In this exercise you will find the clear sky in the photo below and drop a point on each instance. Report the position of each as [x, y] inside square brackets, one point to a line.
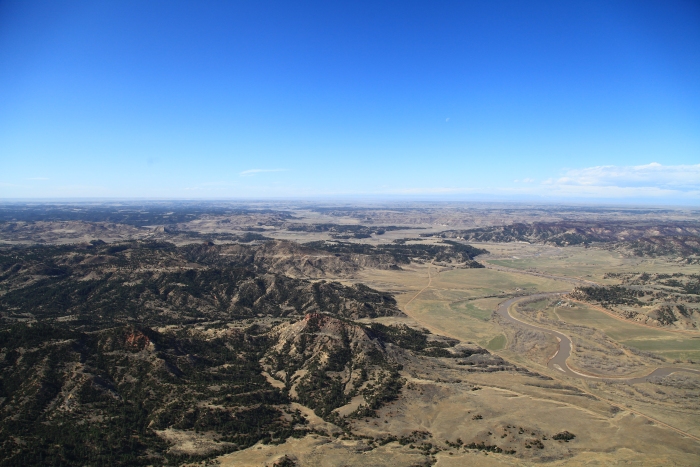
[522, 100]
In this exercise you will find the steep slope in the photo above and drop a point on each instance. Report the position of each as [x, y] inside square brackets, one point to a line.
[100, 398]
[324, 362]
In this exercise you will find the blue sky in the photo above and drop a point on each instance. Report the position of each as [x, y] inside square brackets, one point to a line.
[593, 100]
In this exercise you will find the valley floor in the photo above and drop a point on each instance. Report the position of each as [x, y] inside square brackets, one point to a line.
[651, 423]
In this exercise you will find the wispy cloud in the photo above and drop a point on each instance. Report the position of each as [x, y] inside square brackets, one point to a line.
[609, 181]
[251, 172]
[37, 178]
[649, 175]
[650, 181]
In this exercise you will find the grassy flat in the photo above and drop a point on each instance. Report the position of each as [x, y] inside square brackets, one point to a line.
[459, 302]
[487, 282]
[585, 263]
[497, 343]
[669, 344]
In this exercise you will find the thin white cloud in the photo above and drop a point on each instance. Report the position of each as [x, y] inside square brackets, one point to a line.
[650, 181]
[678, 177]
[634, 181]
[611, 191]
[251, 172]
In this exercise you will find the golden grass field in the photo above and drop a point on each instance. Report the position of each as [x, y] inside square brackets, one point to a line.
[672, 345]
[579, 262]
[459, 302]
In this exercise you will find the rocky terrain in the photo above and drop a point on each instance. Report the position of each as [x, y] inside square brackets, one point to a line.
[128, 345]
[163, 284]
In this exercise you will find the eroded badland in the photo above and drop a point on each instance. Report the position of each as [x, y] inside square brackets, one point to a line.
[336, 335]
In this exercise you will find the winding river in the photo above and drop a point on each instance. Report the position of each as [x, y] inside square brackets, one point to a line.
[558, 361]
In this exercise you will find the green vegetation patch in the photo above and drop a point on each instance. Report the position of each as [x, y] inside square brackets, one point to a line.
[660, 341]
[472, 310]
[497, 343]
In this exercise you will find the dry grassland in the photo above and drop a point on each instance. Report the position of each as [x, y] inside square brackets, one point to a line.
[459, 302]
[510, 410]
[515, 409]
[585, 263]
[593, 264]
[672, 345]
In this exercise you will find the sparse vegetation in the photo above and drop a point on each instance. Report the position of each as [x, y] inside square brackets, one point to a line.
[116, 381]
